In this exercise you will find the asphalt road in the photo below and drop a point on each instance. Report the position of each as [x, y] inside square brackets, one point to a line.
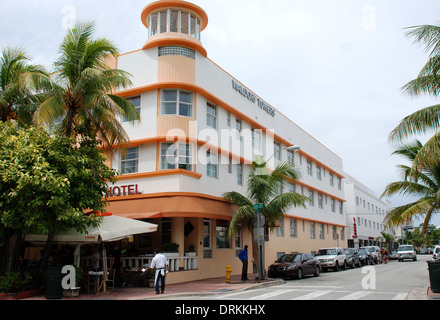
[392, 281]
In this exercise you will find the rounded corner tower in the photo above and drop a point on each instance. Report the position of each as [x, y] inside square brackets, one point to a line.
[174, 22]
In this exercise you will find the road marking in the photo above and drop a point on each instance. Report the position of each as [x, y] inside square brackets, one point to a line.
[401, 296]
[269, 295]
[313, 295]
[356, 295]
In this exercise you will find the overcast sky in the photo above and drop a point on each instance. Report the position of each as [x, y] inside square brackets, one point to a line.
[334, 67]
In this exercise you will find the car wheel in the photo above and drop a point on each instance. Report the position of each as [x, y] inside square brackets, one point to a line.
[336, 268]
[359, 264]
[344, 266]
[300, 274]
[316, 274]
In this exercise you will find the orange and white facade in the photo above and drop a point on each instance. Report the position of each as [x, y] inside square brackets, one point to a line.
[199, 132]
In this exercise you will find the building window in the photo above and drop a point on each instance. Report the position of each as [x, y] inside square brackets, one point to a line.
[333, 205]
[238, 241]
[177, 102]
[310, 167]
[280, 230]
[240, 174]
[312, 198]
[339, 183]
[238, 127]
[341, 207]
[320, 201]
[291, 157]
[221, 229]
[173, 20]
[130, 161]
[335, 233]
[212, 164]
[293, 233]
[342, 234]
[318, 173]
[176, 156]
[228, 119]
[312, 230]
[207, 245]
[292, 187]
[332, 180]
[177, 51]
[136, 102]
[321, 231]
[211, 115]
[277, 150]
[256, 140]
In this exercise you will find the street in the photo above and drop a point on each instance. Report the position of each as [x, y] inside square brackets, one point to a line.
[392, 281]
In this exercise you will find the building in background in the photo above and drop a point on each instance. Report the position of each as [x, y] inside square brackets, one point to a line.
[365, 215]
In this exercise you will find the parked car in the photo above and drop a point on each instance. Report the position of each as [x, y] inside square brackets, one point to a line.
[332, 258]
[365, 257]
[394, 255]
[436, 253]
[374, 251]
[406, 251]
[352, 257]
[294, 265]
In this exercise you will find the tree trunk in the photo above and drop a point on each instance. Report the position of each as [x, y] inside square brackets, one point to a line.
[45, 259]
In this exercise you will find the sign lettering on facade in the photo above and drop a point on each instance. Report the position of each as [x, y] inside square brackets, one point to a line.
[253, 98]
[121, 191]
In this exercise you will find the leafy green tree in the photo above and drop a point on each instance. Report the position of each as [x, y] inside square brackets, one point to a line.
[423, 183]
[18, 99]
[80, 89]
[262, 188]
[47, 182]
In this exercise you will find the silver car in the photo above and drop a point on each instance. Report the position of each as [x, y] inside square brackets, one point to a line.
[406, 251]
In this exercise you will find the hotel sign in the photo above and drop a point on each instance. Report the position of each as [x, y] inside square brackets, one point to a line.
[252, 97]
[122, 191]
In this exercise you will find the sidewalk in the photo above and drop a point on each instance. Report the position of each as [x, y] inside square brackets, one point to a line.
[195, 288]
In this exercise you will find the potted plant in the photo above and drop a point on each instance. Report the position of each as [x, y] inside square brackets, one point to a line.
[151, 277]
[191, 251]
[170, 249]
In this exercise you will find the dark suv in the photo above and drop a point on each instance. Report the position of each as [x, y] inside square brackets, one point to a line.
[352, 257]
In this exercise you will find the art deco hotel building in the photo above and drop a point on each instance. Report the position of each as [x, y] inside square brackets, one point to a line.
[199, 131]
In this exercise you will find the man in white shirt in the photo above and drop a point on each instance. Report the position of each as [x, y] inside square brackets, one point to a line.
[159, 262]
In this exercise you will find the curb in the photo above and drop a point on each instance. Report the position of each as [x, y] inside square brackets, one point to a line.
[211, 293]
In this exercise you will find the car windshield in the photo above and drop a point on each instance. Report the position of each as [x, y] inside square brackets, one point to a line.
[369, 249]
[325, 252]
[362, 251]
[405, 248]
[289, 258]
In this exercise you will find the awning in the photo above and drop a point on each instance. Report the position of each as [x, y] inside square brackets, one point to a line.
[112, 228]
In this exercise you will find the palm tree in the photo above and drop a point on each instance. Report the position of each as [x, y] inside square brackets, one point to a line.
[80, 89]
[18, 100]
[262, 188]
[422, 183]
[428, 82]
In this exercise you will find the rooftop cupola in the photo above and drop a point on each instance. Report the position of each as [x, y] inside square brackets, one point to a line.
[174, 22]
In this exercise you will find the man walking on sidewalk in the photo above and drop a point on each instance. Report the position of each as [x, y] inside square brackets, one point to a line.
[159, 262]
[243, 256]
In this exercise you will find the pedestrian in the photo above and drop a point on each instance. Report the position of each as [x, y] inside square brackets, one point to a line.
[160, 263]
[243, 256]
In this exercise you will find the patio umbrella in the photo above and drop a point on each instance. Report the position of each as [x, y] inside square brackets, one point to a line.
[112, 228]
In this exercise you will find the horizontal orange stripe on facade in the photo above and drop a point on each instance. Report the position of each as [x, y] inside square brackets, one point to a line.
[219, 102]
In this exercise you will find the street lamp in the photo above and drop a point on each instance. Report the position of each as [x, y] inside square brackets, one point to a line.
[260, 224]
